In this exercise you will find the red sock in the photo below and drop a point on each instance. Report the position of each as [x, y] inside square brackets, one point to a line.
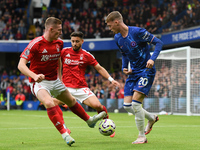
[60, 113]
[55, 118]
[79, 111]
[104, 109]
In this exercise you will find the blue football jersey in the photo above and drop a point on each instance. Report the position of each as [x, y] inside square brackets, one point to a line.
[135, 48]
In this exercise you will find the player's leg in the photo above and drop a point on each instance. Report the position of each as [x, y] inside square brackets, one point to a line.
[146, 82]
[77, 109]
[139, 116]
[150, 124]
[128, 94]
[92, 101]
[44, 97]
[57, 103]
[128, 104]
[128, 107]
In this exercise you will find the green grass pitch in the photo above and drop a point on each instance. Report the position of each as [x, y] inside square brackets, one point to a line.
[32, 130]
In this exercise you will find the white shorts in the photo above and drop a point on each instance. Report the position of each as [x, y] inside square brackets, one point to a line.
[81, 94]
[54, 87]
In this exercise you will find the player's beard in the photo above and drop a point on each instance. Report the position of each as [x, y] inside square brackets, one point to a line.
[76, 48]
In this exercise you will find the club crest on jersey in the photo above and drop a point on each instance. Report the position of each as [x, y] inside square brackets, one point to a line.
[133, 44]
[81, 57]
[57, 47]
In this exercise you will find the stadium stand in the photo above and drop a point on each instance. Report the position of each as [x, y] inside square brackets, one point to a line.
[89, 16]
[157, 16]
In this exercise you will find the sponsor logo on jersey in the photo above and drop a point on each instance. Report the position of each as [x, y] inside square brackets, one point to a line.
[50, 57]
[44, 51]
[72, 62]
[68, 55]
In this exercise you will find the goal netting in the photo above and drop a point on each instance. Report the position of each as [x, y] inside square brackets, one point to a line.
[176, 88]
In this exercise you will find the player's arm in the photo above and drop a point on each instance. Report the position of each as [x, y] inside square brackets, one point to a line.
[125, 68]
[125, 60]
[145, 36]
[158, 47]
[106, 75]
[27, 72]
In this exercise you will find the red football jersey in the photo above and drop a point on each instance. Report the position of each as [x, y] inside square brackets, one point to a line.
[74, 66]
[43, 56]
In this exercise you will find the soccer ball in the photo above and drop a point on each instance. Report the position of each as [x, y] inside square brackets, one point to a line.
[107, 127]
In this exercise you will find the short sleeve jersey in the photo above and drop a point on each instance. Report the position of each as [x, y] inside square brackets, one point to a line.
[43, 56]
[74, 66]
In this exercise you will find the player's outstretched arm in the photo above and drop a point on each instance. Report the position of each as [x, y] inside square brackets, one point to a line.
[106, 75]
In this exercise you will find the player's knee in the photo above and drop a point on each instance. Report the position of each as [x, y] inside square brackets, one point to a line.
[98, 107]
[48, 104]
[57, 102]
[137, 106]
[127, 107]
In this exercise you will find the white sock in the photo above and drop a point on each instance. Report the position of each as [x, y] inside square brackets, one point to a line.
[64, 135]
[139, 117]
[128, 107]
[148, 115]
[89, 120]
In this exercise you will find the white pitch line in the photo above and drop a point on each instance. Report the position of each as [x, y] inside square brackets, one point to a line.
[35, 116]
[42, 128]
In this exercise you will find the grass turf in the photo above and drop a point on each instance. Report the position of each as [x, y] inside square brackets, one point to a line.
[32, 130]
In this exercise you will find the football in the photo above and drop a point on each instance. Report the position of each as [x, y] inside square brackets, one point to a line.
[107, 127]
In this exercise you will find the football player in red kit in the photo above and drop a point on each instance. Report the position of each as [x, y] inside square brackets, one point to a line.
[74, 63]
[44, 55]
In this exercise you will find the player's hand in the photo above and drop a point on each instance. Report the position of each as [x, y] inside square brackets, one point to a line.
[39, 77]
[114, 82]
[127, 72]
[150, 63]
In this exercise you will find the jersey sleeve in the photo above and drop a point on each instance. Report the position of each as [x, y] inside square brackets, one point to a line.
[62, 53]
[124, 57]
[145, 36]
[91, 59]
[125, 62]
[28, 52]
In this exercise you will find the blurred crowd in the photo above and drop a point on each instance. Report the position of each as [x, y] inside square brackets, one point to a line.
[170, 82]
[88, 16]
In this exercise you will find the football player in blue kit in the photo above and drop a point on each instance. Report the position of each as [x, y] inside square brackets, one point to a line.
[133, 43]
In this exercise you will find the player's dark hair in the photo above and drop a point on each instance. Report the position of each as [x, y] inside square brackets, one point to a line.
[77, 34]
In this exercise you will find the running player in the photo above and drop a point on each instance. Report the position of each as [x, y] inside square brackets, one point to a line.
[133, 43]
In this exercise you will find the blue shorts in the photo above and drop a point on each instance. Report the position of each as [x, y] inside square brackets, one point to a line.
[140, 82]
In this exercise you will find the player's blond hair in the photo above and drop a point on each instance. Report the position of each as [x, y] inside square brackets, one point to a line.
[114, 15]
[52, 21]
